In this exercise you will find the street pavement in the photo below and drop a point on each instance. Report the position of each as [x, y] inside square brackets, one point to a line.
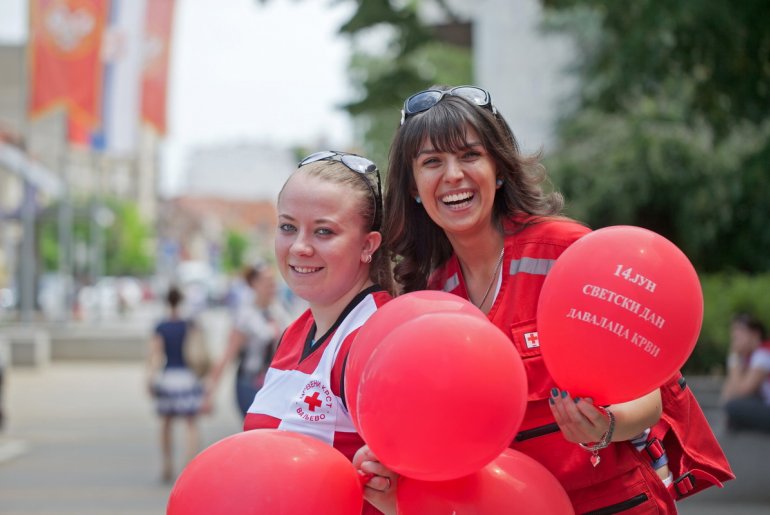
[82, 438]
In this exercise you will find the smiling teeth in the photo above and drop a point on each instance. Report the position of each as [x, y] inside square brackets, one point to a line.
[457, 197]
[305, 270]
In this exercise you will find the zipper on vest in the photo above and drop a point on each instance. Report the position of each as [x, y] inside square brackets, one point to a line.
[536, 431]
[621, 506]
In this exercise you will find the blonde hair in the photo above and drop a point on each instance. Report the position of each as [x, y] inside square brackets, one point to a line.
[363, 192]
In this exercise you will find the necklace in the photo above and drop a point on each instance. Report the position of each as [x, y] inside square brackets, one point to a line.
[494, 277]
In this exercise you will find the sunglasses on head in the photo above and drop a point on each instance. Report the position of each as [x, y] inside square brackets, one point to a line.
[357, 164]
[424, 100]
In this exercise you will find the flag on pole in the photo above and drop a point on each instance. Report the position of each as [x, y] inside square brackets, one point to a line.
[159, 18]
[122, 54]
[65, 40]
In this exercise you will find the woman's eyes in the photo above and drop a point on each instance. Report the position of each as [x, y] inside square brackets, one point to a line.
[430, 161]
[467, 155]
[320, 231]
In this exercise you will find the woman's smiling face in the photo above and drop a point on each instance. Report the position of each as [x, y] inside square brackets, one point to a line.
[321, 239]
[457, 188]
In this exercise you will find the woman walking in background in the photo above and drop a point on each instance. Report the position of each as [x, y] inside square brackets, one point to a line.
[257, 326]
[177, 391]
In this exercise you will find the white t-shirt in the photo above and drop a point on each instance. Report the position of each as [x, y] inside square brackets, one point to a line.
[760, 359]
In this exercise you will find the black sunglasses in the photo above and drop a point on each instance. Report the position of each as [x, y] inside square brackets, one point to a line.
[424, 100]
[357, 164]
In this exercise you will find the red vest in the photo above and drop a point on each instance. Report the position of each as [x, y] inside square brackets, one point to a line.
[625, 479]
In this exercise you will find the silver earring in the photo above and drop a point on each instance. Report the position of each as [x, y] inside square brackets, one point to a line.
[499, 182]
[417, 199]
[367, 258]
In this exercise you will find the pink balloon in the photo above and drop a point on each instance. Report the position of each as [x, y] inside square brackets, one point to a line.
[512, 483]
[267, 471]
[441, 396]
[619, 314]
[384, 320]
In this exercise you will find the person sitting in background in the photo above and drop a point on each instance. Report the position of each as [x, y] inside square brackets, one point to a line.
[746, 391]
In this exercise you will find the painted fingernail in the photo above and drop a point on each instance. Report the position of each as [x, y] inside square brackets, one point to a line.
[554, 392]
[577, 399]
[551, 401]
[564, 394]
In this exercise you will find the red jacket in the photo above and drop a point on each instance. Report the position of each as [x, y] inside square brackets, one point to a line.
[625, 479]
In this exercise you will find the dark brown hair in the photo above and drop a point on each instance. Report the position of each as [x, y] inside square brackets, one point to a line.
[751, 323]
[174, 297]
[417, 243]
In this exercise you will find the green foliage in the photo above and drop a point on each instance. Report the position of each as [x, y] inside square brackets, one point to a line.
[724, 295]
[723, 48]
[671, 128]
[128, 241]
[234, 252]
[412, 60]
[379, 113]
[649, 167]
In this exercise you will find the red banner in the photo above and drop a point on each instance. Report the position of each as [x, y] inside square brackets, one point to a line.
[65, 63]
[158, 22]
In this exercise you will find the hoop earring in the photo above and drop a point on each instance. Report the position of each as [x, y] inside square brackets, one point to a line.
[417, 199]
[367, 258]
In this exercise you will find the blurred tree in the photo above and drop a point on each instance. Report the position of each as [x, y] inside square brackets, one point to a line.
[234, 252]
[671, 129]
[721, 49]
[411, 59]
[128, 240]
[408, 57]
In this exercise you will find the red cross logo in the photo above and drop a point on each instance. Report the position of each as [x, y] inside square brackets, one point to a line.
[532, 340]
[312, 402]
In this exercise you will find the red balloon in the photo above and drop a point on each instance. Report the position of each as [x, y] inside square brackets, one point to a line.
[619, 314]
[267, 471]
[441, 396]
[512, 483]
[384, 320]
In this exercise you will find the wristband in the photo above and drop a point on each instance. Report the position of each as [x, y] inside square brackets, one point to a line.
[603, 442]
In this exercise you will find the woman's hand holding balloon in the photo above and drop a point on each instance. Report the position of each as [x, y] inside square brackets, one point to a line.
[579, 420]
[380, 489]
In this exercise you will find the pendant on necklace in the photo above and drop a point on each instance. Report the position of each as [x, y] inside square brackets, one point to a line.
[494, 277]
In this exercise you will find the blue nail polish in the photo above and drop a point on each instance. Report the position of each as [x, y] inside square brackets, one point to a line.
[554, 392]
[551, 401]
[564, 394]
[577, 399]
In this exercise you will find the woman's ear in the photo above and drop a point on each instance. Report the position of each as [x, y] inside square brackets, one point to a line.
[372, 242]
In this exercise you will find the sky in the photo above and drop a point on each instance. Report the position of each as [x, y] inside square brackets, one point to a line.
[244, 71]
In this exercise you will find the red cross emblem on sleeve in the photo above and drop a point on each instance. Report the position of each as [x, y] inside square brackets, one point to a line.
[532, 340]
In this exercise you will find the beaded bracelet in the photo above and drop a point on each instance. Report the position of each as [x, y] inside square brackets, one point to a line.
[603, 442]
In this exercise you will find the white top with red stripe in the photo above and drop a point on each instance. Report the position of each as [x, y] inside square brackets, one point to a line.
[301, 398]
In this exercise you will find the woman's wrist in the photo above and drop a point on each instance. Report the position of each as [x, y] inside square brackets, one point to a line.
[606, 438]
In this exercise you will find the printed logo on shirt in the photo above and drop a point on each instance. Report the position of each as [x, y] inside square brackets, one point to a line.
[532, 340]
[315, 402]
